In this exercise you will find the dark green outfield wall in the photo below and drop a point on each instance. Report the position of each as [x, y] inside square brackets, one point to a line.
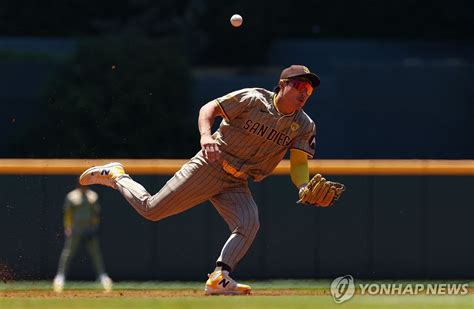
[384, 227]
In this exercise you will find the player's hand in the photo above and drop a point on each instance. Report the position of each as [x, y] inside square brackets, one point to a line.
[210, 149]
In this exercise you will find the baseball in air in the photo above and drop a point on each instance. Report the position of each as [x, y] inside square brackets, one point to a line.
[236, 20]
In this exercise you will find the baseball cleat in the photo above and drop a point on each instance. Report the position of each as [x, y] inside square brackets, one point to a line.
[58, 283]
[220, 283]
[106, 282]
[102, 175]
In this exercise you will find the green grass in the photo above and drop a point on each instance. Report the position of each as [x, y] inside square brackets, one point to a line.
[411, 302]
[161, 285]
[296, 301]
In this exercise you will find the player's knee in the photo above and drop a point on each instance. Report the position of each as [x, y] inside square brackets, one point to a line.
[256, 226]
[146, 211]
[153, 215]
[150, 216]
[251, 228]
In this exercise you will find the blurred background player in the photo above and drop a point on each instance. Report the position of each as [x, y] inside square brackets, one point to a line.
[81, 224]
[258, 128]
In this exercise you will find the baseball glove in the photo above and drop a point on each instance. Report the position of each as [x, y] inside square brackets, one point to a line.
[320, 192]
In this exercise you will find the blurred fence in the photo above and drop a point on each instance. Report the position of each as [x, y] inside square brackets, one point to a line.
[398, 219]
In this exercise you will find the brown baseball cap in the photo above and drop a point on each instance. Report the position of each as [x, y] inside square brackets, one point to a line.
[297, 70]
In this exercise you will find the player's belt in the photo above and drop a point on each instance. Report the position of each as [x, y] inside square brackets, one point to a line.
[233, 171]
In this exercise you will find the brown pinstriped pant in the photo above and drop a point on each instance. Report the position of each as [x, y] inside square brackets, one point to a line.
[196, 182]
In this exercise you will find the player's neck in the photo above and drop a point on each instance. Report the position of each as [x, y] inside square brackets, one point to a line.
[280, 106]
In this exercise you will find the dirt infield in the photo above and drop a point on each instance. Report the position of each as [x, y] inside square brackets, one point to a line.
[161, 293]
[146, 293]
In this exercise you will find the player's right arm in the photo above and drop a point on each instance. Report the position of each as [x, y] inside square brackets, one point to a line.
[207, 115]
[227, 107]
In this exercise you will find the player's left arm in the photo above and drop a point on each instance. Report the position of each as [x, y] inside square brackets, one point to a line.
[299, 168]
[302, 148]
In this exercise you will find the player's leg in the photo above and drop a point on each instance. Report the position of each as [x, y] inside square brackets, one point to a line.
[69, 250]
[93, 248]
[193, 184]
[240, 211]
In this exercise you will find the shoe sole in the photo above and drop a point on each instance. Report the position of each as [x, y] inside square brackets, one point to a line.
[225, 292]
[58, 288]
[110, 165]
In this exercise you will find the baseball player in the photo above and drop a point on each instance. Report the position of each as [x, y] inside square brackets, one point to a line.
[81, 223]
[258, 128]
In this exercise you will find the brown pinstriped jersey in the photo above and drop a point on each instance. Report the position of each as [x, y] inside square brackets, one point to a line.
[254, 137]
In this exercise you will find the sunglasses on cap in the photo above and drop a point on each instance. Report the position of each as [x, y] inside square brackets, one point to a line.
[300, 85]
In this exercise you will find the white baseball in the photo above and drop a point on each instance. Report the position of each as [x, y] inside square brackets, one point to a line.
[236, 20]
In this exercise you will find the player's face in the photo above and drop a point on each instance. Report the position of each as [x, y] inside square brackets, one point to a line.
[296, 92]
[301, 85]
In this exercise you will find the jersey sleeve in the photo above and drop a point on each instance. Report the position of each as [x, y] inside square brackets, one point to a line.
[306, 142]
[235, 103]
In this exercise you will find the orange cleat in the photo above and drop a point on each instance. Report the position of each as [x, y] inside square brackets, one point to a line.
[220, 283]
[102, 175]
